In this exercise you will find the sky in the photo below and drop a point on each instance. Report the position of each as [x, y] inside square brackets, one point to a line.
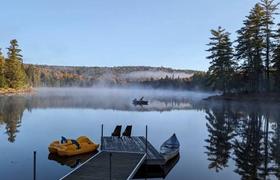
[170, 33]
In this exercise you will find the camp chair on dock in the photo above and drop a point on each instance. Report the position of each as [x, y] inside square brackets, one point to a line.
[76, 143]
[117, 131]
[127, 131]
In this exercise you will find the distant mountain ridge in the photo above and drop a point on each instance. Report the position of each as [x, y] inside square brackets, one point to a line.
[61, 76]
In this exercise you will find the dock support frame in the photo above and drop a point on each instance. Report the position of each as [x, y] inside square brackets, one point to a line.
[34, 165]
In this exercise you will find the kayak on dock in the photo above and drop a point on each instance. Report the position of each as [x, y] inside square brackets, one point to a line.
[71, 147]
[141, 101]
[170, 148]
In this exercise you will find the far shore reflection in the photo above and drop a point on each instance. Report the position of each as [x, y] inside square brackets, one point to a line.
[12, 107]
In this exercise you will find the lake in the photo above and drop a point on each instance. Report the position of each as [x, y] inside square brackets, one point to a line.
[219, 140]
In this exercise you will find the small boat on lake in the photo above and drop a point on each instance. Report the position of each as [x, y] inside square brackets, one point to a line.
[170, 148]
[71, 147]
[55, 145]
[141, 101]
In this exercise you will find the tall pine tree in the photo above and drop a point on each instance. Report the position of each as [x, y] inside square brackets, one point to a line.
[14, 70]
[250, 49]
[222, 63]
[276, 63]
[2, 75]
[269, 8]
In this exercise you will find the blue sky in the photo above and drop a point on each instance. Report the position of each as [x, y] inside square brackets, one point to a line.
[118, 32]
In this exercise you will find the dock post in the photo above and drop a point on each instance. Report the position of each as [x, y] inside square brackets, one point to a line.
[34, 165]
[146, 143]
[146, 149]
[101, 137]
[110, 167]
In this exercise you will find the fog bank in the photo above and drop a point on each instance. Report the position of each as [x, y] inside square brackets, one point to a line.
[120, 92]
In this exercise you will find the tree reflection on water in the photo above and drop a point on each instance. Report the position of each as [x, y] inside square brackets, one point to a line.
[221, 125]
[247, 132]
[11, 112]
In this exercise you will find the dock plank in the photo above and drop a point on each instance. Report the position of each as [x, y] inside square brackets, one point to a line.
[133, 144]
[122, 166]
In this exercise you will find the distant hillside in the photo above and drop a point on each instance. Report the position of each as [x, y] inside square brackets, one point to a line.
[121, 72]
[45, 75]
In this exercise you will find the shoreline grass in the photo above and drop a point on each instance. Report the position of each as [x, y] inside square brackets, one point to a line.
[12, 91]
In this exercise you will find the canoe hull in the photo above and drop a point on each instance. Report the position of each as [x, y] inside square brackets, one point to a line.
[170, 155]
[170, 148]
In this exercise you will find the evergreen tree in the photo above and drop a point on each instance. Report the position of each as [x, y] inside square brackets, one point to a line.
[276, 62]
[222, 65]
[250, 48]
[2, 75]
[14, 70]
[269, 8]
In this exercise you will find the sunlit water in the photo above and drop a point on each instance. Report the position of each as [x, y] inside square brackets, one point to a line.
[222, 140]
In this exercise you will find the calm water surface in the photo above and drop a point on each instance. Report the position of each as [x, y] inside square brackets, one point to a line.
[222, 140]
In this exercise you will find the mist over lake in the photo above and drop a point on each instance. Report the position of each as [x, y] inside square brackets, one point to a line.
[215, 137]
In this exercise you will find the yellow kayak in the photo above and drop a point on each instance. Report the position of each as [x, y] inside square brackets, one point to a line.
[73, 147]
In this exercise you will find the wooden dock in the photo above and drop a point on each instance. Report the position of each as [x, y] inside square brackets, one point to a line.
[108, 165]
[135, 144]
[119, 159]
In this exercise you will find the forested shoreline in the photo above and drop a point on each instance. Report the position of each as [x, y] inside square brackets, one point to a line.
[13, 77]
[78, 76]
[251, 63]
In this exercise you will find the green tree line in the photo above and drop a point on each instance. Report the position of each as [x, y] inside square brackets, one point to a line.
[251, 63]
[12, 72]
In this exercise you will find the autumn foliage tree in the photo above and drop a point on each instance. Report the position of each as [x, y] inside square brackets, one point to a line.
[2, 75]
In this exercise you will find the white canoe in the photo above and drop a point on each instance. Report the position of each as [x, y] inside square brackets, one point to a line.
[170, 148]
